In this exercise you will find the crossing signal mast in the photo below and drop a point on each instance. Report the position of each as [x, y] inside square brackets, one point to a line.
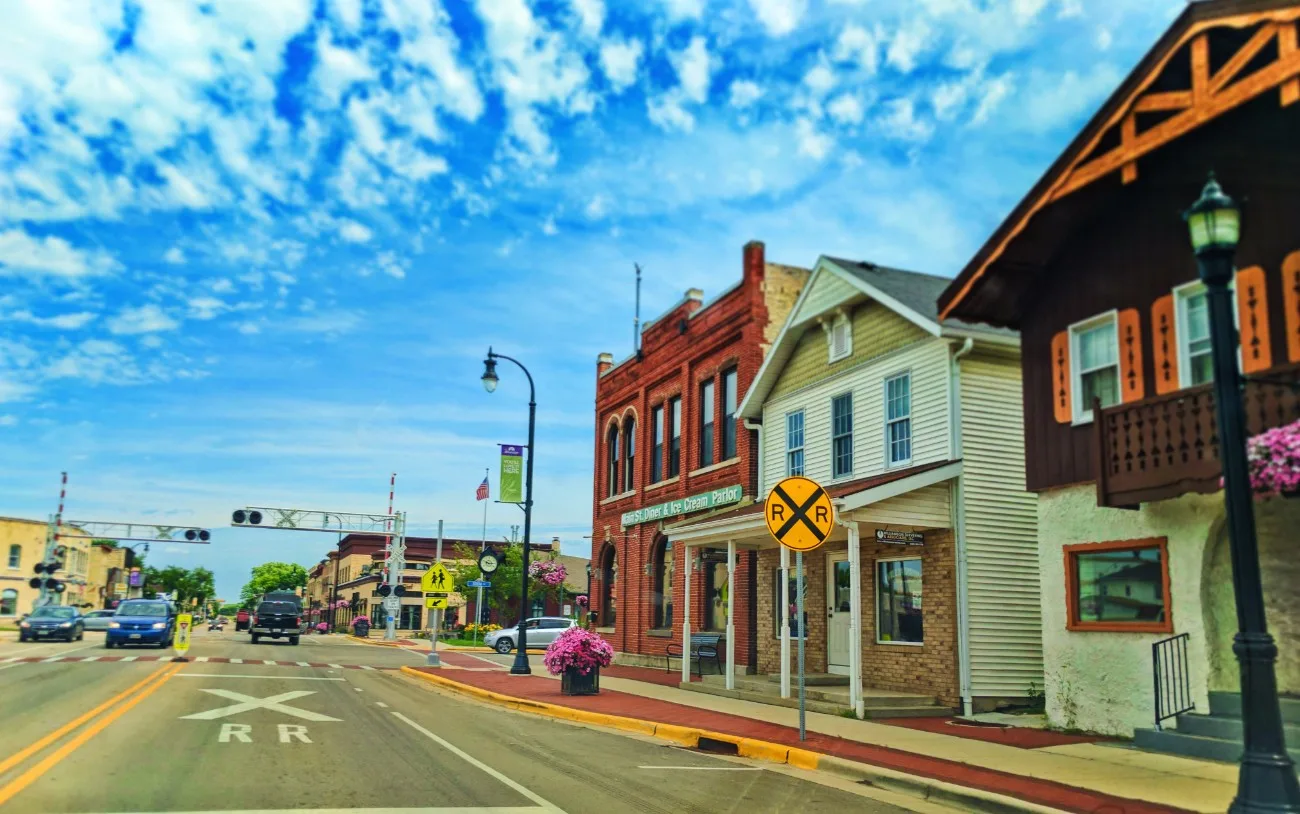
[391, 525]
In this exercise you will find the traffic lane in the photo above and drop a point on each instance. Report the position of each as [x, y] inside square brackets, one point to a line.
[317, 649]
[230, 737]
[581, 769]
[37, 699]
[10, 648]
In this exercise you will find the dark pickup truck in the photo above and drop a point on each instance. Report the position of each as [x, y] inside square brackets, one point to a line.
[276, 619]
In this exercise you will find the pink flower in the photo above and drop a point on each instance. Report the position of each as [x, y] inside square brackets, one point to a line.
[550, 573]
[1274, 460]
[578, 649]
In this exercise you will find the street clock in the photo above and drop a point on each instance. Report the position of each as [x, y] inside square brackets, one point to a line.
[488, 562]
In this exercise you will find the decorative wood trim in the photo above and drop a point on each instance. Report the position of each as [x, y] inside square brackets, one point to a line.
[1128, 134]
[1283, 73]
[1061, 380]
[1072, 587]
[1291, 300]
[1252, 310]
[1243, 56]
[1131, 384]
[1200, 57]
[1164, 344]
[1168, 100]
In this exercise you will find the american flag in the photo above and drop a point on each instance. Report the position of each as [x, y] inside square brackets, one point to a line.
[482, 492]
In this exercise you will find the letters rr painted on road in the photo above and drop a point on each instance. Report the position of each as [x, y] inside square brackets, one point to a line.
[799, 513]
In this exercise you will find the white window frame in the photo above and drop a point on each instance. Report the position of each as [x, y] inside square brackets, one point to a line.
[839, 321]
[803, 438]
[875, 576]
[911, 436]
[1181, 294]
[853, 451]
[1082, 414]
[9, 555]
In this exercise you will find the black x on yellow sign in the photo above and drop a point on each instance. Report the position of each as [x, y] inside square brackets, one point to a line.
[799, 514]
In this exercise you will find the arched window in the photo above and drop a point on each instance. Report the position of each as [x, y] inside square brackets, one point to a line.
[608, 587]
[629, 453]
[611, 450]
[9, 602]
[663, 593]
[15, 556]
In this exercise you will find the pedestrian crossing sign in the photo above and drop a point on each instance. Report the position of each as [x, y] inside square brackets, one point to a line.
[437, 579]
[435, 602]
[184, 626]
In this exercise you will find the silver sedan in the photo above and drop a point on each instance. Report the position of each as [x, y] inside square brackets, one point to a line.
[98, 620]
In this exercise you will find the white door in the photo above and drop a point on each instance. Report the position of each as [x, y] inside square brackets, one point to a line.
[837, 613]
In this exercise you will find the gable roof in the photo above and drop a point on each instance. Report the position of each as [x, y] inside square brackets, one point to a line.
[1172, 83]
[910, 294]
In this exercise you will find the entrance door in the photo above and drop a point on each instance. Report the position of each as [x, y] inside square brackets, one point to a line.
[837, 613]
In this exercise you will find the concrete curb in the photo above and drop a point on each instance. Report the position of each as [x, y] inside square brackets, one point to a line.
[880, 777]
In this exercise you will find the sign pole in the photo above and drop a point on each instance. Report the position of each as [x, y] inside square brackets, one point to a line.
[437, 625]
[803, 735]
[478, 603]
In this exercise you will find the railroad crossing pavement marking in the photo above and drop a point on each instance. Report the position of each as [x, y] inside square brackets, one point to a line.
[248, 702]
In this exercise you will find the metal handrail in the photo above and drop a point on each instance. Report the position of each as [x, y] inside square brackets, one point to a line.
[1171, 678]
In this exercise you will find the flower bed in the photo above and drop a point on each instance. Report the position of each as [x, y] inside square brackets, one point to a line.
[579, 650]
[1274, 460]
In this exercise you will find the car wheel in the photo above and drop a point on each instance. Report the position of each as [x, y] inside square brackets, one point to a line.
[254, 638]
[81, 634]
[293, 640]
[504, 646]
[22, 638]
[108, 644]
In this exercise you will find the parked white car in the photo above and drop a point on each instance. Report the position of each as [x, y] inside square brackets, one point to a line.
[541, 631]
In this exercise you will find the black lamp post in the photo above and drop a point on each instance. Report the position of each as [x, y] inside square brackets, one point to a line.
[1267, 781]
[520, 667]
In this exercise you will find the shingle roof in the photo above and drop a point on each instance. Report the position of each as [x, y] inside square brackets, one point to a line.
[919, 292]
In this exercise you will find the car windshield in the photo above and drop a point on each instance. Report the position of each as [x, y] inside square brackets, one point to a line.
[142, 609]
[54, 613]
[287, 608]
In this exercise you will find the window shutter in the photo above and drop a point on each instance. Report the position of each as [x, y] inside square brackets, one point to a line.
[1132, 386]
[1164, 340]
[1252, 310]
[1061, 404]
[840, 338]
[1291, 298]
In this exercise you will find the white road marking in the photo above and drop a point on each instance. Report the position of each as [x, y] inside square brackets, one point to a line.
[304, 664]
[381, 704]
[536, 798]
[248, 702]
[358, 689]
[705, 768]
[128, 658]
[263, 677]
[269, 661]
[449, 810]
[13, 659]
[91, 658]
[292, 732]
[337, 666]
[366, 667]
[201, 659]
[237, 731]
[236, 661]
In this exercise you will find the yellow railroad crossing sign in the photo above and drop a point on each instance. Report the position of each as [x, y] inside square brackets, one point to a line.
[436, 602]
[184, 626]
[799, 514]
[437, 579]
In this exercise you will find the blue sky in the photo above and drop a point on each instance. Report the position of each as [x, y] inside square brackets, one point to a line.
[252, 251]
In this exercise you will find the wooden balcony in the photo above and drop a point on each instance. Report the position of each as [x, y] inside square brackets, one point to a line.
[1165, 446]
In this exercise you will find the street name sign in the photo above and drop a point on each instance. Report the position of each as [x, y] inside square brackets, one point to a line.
[479, 583]
[436, 579]
[683, 505]
[799, 514]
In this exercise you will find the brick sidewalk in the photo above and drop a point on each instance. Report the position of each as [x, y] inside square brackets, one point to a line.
[1034, 790]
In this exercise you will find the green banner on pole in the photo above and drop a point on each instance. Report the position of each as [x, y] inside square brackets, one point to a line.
[512, 473]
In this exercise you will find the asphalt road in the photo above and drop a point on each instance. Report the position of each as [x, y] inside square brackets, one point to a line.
[228, 731]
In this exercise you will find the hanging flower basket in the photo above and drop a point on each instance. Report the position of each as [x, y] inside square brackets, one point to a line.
[577, 656]
[550, 573]
[1274, 461]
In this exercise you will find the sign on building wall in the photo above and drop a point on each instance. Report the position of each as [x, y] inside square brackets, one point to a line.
[683, 505]
[512, 473]
[900, 537]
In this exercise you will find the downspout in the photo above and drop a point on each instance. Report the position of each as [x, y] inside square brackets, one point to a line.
[959, 527]
[758, 428]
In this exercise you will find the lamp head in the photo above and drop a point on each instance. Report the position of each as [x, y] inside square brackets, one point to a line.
[1214, 223]
[490, 373]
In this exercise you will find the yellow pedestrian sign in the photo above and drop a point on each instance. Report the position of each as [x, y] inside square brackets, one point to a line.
[436, 602]
[437, 579]
[799, 514]
[184, 626]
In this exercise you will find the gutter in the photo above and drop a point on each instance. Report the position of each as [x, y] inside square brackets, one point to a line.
[959, 528]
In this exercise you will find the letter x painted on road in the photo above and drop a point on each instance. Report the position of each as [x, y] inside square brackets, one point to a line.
[800, 513]
[247, 702]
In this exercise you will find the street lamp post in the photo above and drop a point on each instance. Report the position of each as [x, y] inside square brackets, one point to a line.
[489, 377]
[1267, 779]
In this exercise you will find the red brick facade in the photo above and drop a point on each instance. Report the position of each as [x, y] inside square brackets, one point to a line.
[684, 348]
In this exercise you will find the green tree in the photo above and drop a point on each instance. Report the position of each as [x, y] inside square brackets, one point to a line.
[505, 580]
[228, 610]
[186, 583]
[272, 576]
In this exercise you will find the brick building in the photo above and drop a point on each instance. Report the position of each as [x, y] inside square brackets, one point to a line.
[668, 447]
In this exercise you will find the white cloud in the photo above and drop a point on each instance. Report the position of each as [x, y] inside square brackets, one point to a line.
[1024, 11]
[947, 98]
[549, 227]
[222, 285]
[684, 9]
[8, 420]
[591, 16]
[596, 208]
[991, 95]
[812, 143]
[11, 390]
[910, 41]
[744, 93]
[619, 60]
[24, 253]
[1104, 39]
[858, 45]
[204, 308]
[819, 79]
[348, 12]
[338, 69]
[779, 17]
[846, 109]
[901, 122]
[174, 256]
[66, 322]
[249, 328]
[667, 112]
[1049, 101]
[152, 341]
[147, 318]
[354, 232]
[694, 66]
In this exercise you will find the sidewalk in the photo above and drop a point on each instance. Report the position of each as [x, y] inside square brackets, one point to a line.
[1045, 769]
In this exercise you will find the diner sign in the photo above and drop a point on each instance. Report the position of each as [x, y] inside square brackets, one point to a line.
[683, 505]
[900, 537]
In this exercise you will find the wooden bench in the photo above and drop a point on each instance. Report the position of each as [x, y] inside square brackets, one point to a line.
[703, 646]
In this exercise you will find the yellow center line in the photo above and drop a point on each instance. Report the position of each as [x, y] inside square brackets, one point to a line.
[18, 757]
[30, 776]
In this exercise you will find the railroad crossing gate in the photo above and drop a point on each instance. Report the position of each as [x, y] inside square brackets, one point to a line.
[799, 513]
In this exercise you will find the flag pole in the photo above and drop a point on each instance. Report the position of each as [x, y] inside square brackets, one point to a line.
[478, 604]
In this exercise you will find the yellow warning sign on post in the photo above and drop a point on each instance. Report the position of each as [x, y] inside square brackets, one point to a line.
[799, 514]
[436, 602]
[437, 579]
[184, 626]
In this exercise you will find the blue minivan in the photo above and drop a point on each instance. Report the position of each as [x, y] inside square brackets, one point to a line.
[142, 621]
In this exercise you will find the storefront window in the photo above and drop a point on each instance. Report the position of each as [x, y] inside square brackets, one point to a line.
[1118, 586]
[609, 588]
[9, 602]
[898, 602]
[410, 617]
[663, 596]
[795, 628]
[716, 591]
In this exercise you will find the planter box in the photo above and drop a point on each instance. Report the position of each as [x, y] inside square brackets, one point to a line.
[575, 683]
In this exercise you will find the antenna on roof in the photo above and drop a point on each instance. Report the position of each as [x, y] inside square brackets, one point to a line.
[636, 318]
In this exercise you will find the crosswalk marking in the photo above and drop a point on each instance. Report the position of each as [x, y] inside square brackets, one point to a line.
[303, 664]
[236, 661]
[268, 661]
[17, 661]
[91, 658]
[337, 666]
[366, 667]
[128, 658]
